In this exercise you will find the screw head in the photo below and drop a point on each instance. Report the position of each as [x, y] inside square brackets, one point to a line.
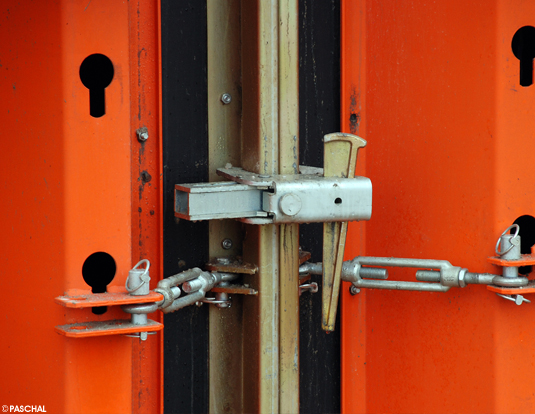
[226, 244]
[142, 134]
[353, 290]
[226, 98]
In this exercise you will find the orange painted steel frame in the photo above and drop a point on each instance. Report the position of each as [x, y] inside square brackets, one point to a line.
[74, 185]
[434, 89]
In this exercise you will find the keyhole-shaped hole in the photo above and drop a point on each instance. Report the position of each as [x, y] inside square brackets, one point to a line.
[98, 271]
[96, 73]
[523, 46]
[527, 238]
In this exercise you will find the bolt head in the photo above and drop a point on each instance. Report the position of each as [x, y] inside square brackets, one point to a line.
[142, 134]
[353, 290]
[226, 98]
[226, 244]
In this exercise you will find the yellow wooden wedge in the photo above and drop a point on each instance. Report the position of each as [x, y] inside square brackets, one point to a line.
[340, 160]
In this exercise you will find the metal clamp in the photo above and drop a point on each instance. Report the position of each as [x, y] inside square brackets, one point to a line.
[258, 199]
[195, 282]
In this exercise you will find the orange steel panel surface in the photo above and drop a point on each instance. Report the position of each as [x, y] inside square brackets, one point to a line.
[434, 89]
[71, 188]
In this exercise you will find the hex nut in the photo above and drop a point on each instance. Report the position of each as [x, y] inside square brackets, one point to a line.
[142, 134]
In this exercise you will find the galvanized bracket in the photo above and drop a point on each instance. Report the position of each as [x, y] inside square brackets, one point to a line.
[261, 199]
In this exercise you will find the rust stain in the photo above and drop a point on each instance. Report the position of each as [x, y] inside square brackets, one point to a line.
[354, 110]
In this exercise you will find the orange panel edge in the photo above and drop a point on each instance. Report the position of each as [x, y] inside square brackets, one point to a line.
[147, 189]
[352, 120]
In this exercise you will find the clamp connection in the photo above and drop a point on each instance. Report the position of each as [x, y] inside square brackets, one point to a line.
[435, 275]
[259, 199]
[195, 282]
[509, 257]
[138, 284]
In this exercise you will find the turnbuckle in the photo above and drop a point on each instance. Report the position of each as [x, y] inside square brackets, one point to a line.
[432, 275]
[438, 276]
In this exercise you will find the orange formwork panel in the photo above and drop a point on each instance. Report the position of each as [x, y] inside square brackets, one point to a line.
[77, 183]
[434, 87]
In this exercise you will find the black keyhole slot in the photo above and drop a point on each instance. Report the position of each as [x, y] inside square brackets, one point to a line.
[523, 46]
[96, 73]
[527, 238]
[98, 271]
[337, 200]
